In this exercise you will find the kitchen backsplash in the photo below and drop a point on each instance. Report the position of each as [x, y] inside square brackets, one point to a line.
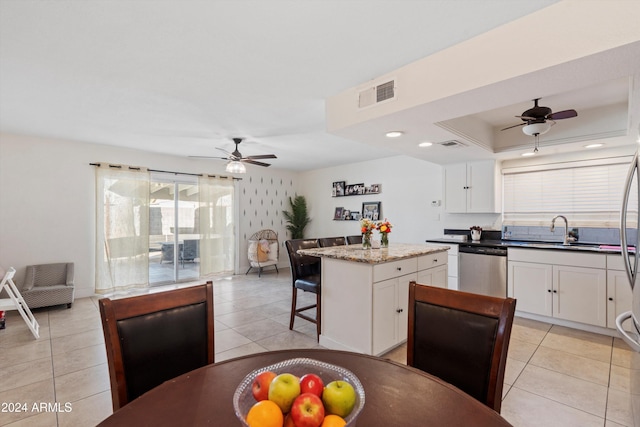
[609, 236]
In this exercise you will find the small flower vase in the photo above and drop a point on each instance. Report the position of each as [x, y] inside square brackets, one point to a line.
[384, 240]
[475, 235]
[366, 241]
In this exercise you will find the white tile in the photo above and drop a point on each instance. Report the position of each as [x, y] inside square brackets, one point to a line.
[580, 394]
[572, 364]
[524, 409]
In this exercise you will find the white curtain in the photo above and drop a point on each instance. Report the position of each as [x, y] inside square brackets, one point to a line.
[216, 222]
[122, 228]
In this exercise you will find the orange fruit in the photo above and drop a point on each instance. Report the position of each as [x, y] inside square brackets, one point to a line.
[265, 414]
[333, 421]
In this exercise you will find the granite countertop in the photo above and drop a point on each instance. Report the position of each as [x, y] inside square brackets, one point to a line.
[355, 253]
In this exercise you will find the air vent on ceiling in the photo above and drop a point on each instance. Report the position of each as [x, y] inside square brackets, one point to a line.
[376, 94]
[452, 144]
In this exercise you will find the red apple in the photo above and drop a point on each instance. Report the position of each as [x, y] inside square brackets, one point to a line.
[311, 383]
[261, 383]
[307, 411]
[288, 422]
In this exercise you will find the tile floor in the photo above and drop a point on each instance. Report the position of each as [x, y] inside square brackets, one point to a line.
[555, 376]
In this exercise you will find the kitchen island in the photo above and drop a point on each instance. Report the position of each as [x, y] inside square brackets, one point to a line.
[365, 292]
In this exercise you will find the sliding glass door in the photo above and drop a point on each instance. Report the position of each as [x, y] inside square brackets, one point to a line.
[174, 239]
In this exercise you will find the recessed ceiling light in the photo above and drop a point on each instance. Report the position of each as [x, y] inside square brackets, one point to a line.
[425, 144]
[528, 153]
[393, 134]
[593, 145]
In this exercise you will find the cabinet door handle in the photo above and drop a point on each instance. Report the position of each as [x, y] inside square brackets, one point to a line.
[549, 290]
[399, 310]
[435, 260]
[555, 291]
[610, 299]
[399, 268]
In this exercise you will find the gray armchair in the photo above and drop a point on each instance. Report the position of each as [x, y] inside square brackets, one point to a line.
[46, 285]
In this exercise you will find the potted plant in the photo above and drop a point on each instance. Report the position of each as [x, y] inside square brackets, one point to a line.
[297, 218]
[476, 232]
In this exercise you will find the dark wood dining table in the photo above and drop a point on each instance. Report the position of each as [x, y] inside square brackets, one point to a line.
[396, 395]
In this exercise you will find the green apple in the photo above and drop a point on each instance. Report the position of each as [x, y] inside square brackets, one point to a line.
[339, 398]
[283, 390]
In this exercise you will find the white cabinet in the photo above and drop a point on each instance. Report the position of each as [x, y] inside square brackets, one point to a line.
[531, 284]
[619, 292]
[565, 285]
[390, 312]
[436, 276]
[391, 295]
[432, 270]
[451, 281]
[364, 306]
[579, 294]
[472, 187]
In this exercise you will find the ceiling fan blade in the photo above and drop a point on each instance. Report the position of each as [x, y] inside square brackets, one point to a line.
[262, 156]
[208, 157]
[514, 126]
[253, 162]
[566, 114]
[225, 152]
[528, 118]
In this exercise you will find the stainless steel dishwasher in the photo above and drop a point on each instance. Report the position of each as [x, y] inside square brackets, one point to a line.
[483, 270]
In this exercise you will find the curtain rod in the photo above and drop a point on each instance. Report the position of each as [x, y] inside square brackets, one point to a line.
[173, 172]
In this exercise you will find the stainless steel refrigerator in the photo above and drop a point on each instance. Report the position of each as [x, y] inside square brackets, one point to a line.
[630, 258]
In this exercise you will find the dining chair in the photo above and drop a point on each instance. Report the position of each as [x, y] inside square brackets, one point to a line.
[155, 337]
[326, 242]
[462, 338]
[305, 275]
[354, 240]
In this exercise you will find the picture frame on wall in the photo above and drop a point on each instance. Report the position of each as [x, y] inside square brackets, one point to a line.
[338, 189]
[373, 189]
[338, 213]
[346, 215]
[371, 210]
[355, 215]
[354, 189]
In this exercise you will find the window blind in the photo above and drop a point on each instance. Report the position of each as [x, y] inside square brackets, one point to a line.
[590, 196]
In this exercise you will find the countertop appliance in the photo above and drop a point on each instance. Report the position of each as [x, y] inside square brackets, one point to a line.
[631, 266]
[483, 270]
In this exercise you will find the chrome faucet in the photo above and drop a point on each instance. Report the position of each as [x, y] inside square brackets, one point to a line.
[567, 239]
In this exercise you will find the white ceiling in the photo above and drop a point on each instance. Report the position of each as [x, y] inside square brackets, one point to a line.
[184, 77]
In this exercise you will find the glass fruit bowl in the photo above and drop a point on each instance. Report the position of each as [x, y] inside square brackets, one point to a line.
[243, 398]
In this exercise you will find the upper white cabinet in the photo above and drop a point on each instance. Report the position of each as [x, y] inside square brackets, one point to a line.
[472, 187]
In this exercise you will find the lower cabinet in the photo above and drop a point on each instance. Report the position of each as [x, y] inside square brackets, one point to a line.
[619, 294]
[390, 312]
[560, 285]
[365, 306]
[436, 276]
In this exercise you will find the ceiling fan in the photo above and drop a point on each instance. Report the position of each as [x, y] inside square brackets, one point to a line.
[236, 159]
[538, 120]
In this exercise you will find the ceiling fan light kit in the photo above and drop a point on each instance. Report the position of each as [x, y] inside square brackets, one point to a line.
[235, 167]
[536, 128]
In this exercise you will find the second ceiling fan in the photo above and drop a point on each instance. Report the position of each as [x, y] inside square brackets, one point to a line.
[539, 119]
